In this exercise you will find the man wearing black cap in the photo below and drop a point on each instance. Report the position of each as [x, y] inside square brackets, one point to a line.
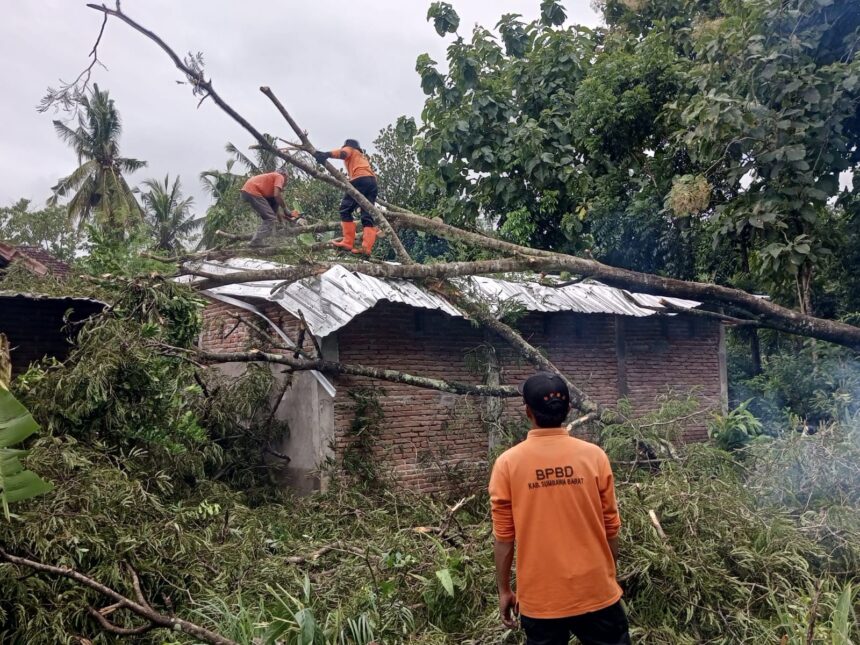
[554, 497]
[363, 179]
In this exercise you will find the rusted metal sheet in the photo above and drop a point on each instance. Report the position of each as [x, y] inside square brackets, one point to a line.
[330, 301]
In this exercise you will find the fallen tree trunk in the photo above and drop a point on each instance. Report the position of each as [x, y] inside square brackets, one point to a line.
[767, 313]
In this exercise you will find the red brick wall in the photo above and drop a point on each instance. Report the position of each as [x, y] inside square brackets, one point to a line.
[224, 328]
[425, 432]
[427, 435]
[673, 355]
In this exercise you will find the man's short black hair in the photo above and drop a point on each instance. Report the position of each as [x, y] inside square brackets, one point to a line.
[352, 143]
[548, 398]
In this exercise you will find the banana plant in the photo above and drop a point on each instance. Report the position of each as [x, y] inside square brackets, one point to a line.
[16, 482]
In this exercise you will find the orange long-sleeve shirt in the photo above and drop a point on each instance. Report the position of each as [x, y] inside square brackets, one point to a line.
[554, 496]
[357, 164]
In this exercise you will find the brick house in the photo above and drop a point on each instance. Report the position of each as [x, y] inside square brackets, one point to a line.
[37, 325]
[610, 342]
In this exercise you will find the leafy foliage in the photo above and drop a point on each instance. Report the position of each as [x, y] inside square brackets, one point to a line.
[47, 228]
[16, 482]
[676, 125]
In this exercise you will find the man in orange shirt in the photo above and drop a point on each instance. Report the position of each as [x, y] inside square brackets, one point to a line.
[361, 176]
[264, 194]
[554, 496]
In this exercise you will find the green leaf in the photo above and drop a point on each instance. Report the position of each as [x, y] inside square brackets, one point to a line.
[552, 13]
[445, 19]
[447, 581]
[795, 152]
[306, 239]
[811, 95]
[843, 617]
[16, 424]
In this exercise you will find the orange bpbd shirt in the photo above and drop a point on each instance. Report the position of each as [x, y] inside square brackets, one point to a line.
[357, 164]
[554, 495]
[264, 185]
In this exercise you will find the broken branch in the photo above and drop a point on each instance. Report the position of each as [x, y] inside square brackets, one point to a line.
[331, 367]
[154, 618]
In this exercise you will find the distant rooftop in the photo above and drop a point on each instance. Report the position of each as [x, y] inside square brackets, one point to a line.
[35, 258]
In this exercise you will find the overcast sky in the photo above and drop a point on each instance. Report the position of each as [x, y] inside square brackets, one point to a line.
[344, 69]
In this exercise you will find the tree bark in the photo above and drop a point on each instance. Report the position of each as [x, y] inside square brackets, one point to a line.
[382, 374]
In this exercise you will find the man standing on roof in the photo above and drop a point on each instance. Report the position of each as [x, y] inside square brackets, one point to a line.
[554, 496]
[264, 194]
[362, 178]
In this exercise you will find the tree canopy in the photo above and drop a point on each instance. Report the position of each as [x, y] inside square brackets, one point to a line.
[676, 128]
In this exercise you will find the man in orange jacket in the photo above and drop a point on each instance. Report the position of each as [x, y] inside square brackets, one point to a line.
[361, 176]
[263, 194]
[554, 496]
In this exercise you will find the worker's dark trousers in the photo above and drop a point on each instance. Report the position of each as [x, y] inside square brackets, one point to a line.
[367, 187]
[602, 627]
[265, 207]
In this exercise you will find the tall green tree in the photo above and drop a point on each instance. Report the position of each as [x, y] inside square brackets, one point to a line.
[47, 227]
[98, 187]
[168, 214]
[698, 139]
[551, 133]
[226, 212]
[775, 118]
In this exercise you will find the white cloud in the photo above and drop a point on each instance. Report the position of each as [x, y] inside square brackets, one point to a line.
[344, 69]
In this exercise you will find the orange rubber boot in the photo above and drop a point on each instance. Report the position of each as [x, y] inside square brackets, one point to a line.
[368, 239]
[348, 240]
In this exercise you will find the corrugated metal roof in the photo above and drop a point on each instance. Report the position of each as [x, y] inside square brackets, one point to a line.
[331, 300]
[24, 295]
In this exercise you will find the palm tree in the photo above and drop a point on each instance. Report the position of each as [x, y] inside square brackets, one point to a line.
[223, 186]
[168, 214]
[263, 161]
[98, 185]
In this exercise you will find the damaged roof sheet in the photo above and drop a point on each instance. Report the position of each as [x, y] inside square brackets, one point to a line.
[330, 301]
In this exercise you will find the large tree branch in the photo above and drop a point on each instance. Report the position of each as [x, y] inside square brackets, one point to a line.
[363, 202]
[768, 314]
[204, 86]
[382, 374]
[139, 607]
[289, 274]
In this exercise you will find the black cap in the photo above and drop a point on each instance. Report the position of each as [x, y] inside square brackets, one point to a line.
[546, 392]
[352, 143]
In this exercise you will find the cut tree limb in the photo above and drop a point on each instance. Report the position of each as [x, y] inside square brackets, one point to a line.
[768, 314]
[399, 250]
[139, 607]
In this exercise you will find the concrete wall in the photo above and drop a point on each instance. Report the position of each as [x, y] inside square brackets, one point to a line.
[305, 407]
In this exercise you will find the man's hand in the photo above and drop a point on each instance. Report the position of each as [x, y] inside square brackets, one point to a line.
[320, 156]
[508, 609]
